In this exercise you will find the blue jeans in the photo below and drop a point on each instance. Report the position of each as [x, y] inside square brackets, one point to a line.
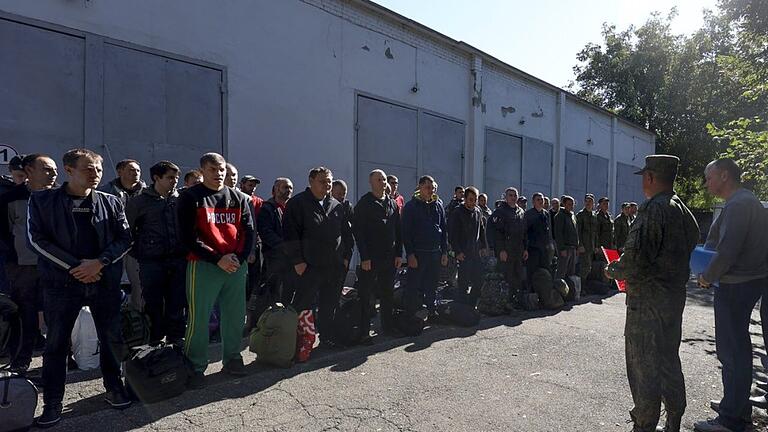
[62, 303]
[163, 288]
[424, 278]
[733, 308]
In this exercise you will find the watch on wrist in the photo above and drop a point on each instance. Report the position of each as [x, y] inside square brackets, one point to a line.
[104, 261]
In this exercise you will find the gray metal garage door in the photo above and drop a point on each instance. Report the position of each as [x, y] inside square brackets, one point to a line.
[503, 163]
[442, 152]
[597, 176]
[537, 167]
[42, 90]
[130, 103]
[629, 187]
[576, 176]
[387, 139]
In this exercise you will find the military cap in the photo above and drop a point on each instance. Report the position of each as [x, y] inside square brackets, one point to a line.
[589, 196]
[600, 201]
[250, 178]
[661, 164]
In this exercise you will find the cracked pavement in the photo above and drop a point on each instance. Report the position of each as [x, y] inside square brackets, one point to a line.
[529, 371]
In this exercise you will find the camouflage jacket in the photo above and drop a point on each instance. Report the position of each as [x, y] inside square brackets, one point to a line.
[657, 251]
[620, 230]
[604, 230]
[586, 222]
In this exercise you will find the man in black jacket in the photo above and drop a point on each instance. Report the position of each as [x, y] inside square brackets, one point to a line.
[539, 230]
[377, 228]
[510, 240]
[318, 240]
[162, 268]
[466, 232]
[269, 225]
[81, 236]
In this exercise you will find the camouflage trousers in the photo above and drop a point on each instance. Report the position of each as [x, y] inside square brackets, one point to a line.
[652, 336]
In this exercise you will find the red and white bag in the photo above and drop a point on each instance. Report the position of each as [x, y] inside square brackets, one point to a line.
[306, 334]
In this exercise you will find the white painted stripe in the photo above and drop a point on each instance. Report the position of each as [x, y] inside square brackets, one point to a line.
[45, 253]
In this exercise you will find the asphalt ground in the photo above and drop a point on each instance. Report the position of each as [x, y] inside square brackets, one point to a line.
[527, 371]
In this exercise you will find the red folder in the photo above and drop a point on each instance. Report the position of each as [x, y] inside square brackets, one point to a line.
[612, 255]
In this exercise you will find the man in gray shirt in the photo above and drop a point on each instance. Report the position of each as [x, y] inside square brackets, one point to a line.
[738, 271]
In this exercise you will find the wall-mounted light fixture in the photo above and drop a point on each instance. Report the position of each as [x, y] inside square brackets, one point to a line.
[538, 114]
[522, 120]
[589, 141]
[507, 110]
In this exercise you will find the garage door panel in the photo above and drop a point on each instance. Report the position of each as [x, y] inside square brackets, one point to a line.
[537, 167]
[442, 144]
[629, 186]
[406, 176]
[43, 91]
[503, 163]
[386, 133]
[597, 176]
[576, 175]
[193, 107]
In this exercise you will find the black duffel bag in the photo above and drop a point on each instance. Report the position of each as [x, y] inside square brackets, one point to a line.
[18, 396]
[460, 314]
[157, 372]
[349, 328]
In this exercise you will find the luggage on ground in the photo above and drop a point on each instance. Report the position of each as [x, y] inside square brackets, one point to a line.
[274, 337]
[349, 328]
[157, 372]
[135, 327]
[597, 287]
[574, 286]
[529, 301]
[494, 295]
[408, 314]
[18, 396]
[562, 288]
[549, 298]
[458, 313]
[85, 341]
[306, 335]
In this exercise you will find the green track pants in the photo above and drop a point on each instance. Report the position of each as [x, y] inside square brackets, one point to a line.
[206, 283]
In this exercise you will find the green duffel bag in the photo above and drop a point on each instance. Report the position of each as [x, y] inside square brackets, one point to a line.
[274, 337]
[542, 284]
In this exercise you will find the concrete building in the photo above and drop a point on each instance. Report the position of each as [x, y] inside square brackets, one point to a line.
[284, 85]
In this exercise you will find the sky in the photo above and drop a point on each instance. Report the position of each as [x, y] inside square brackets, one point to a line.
[542, 37]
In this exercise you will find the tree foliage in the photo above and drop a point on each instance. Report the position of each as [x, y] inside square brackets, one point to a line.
[703, 94]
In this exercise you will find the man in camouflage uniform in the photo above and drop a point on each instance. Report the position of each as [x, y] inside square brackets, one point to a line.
[604, 227]
[655, 267]
[621, 227]
[586, 222]
[510, 239]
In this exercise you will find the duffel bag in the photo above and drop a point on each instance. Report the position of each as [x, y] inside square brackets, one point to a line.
[408, 323]
[460, 314]
[541, 281]
[494, 296]
[597, 287]
[135, 329]
[157, 372]
[348, 325]
[274, 337]
[18, 396]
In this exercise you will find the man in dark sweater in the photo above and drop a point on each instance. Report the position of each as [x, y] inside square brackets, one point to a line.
[510, 240]
[318, 241]
[566, 238]
[466, 232]
[217, 230]
[81, 237]
[157, 246]
[540, 245]
[26, 286]
[377, 228]
[425, 240]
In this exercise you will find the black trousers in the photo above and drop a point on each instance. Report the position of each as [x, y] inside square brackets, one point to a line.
[652, 341]
[378, 283]
[62, 304]
[163, 283]
[319, 286]
[470, 280]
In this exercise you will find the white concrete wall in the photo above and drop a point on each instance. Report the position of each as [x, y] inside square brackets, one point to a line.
[293, 68]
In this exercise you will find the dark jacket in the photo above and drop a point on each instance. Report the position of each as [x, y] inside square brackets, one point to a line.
[451, 206]
[566, 234]
[6, 238]
[537, 225]
[604, 230]
[466, 231]
[509, 231]
[314, 234]
[154, 225]
[269, 224]
[620, 231]
[424, 226]
[377, 227]
[52, 233]
[115, 188]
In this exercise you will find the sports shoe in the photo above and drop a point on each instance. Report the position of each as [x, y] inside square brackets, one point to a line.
[762, 385]
[235, 367]
[50, 417]
[117, 399]
[196, 381]
[711, 425]
[759, 401]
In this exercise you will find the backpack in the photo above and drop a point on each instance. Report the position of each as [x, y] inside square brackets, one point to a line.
[574, 288]
[85, 341]
[408, 314]
[541, 282]
[349, 328]
[306, 335]
[18, 396]
[597, 287]
[460, 314]
[494, 295]
[157, 372]
[562, 288]
[274, 337]
[135, 329]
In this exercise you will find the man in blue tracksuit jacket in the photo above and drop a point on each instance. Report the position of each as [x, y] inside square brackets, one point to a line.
[81, 236]
[425, 240]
